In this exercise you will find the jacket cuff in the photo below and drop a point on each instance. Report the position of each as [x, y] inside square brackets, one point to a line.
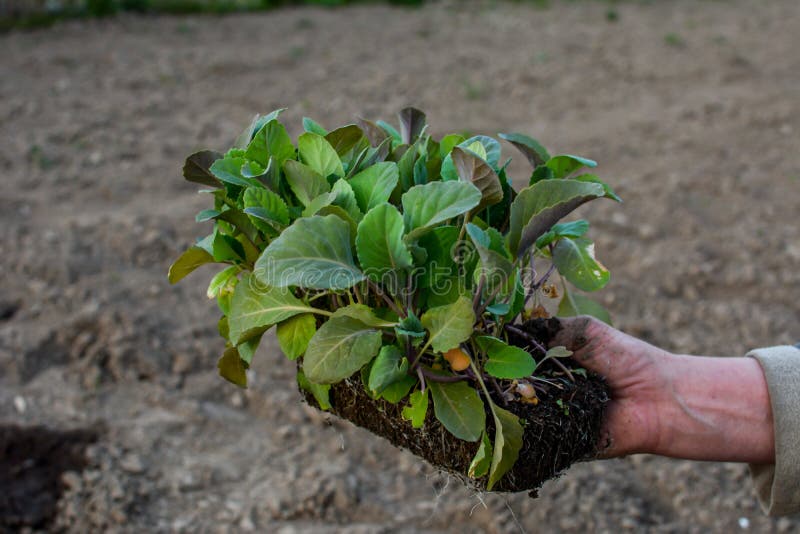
[778, 485]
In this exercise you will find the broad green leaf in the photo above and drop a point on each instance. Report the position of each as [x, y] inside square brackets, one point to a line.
[306, 183]
[316, 152]
[309, 125]
[483, 459]
[505, 361]
[417, 408]
[294, 334]
[365, 314]
[410, 326]
[257, 123]
[271, 141]
[574, 259]
[374, 185]
[539, 206]
[345, 198]
[507, 444]
[530, 147]
[430, 204]
[321, 392]
[266, 209]
[247, 349]
[475, 170]
[441, 245]
[197, 168]
[389, 367]
[325, 199]
[226, 248]
[314, 253]
[567, 229]
[396, 392]
[594, 179]
[495, 267]
[389, 129]
[449, 325]
[541, 173]
[573, 304]
[341, 346]
[255, 306]
[206, 215]
[379, 244]
[412, 124]
[564, 165]
[231, 367]
[223, 282]
[190, 260]
[490, 152]
[343, 215]
[229, 170]
[448, 142]
[374, 132]
[459, 408]
[344, 139]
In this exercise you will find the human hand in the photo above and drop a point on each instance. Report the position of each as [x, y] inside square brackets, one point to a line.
[701, 408]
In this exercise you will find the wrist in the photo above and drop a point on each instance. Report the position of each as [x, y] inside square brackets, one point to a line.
[715, 409]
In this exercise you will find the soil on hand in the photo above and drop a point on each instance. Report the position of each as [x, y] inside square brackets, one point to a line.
[563, 428]
[691, 108]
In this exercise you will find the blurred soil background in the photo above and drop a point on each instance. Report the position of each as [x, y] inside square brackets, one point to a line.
[111, 412]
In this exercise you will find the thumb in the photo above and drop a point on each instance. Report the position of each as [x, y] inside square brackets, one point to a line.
[587, 338]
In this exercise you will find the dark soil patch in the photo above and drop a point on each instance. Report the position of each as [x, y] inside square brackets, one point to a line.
[562, 429]
[32, 460]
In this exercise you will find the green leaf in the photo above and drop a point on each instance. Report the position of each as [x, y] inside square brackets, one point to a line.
[256, 306]
[344, 139]
[379, 244]
[340, 347]
[396, 392]
[567, 229]
[430, 204]
[573, 304]
[507, 444]
[539, 206]
[483, 459]
[322, 201]
[541, 173]
[257, 123]
[271, 141]
[559, 351]
[229, 170]
[389, 129]
[314, 253]
[449, 325]
[226, 248]
[267, 210]
[530, 147]
[231, 367]
[417, 408]
[309, 125]
[365, 314]
[317, 153]
[574, 259]
[505, 361]
[459, 408]
[321, 392]
[389, 367]
[187, 262]
[494, 266]
[374, 185]
[247, 349]
[374, 132]
[412, 124]
[294, 334]
[564, 165]
[595, 180]
[223, 282]
[206, 215]
[345, 198]
[197, 168]
[476, 171]
[306, 183]
[486, 147]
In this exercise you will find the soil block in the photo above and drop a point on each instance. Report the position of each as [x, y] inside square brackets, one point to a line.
[562, 429]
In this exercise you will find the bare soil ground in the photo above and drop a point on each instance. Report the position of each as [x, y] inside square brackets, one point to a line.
[692, 108]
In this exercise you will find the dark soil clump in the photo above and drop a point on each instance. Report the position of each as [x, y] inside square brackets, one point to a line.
[32, 460]
[562, 429]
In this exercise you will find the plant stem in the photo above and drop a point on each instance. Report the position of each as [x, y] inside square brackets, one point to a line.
[486, 302]
[421, 379]
[359, 297]
[433, 377]
[476, 300]
[387, 299]
[544, 278]
[522, 333]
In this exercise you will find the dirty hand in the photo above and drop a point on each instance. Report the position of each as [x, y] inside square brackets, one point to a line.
[693, 407]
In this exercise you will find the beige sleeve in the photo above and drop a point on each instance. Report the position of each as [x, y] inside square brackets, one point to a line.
[778, 485]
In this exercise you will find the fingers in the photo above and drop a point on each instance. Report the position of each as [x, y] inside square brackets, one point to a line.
[589, 340]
